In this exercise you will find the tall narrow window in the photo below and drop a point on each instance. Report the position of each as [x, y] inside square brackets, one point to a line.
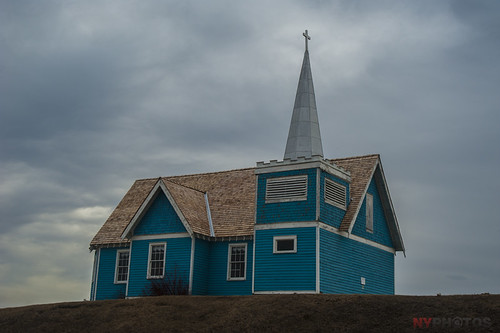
[156, 265]
[237, 260]
[121, 271]
[369, 212]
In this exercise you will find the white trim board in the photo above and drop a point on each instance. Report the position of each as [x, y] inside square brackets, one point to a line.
[253, 261]
[128, 276]
[318, 193]
[97, 263]
[356, 238]
[209, 215]
[191, 265]
[317, 261]
[301, 164]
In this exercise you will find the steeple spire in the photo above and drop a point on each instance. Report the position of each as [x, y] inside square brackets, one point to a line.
[304, 138]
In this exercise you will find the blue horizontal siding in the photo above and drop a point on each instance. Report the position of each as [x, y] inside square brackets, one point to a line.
[201, 267]
[285, 271]
[304, 210]
[177, 261]
[344, 261]
[106, 287]
[380, 229]
[160, 218]
[329, 214]
[218, 283]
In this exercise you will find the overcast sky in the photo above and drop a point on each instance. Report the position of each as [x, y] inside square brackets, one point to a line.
[96, 94]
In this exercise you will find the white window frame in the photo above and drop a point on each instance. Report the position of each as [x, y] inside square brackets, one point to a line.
[278, 238]
[116, 266]
[229, 262]
[149, 276]
[369, 212]
[284, 198]
[331, 202]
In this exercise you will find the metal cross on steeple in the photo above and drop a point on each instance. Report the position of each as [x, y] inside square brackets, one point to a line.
[307, 37]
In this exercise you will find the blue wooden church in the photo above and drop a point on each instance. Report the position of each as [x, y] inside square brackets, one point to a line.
[305, 224]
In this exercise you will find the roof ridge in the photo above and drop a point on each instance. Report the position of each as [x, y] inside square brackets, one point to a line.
[195, 174]
[164, 179]
[144, 179]
[354, 157]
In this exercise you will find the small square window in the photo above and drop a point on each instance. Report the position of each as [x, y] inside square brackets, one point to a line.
[285, 244]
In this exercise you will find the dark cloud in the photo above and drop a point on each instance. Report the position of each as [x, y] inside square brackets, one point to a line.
[96, 94]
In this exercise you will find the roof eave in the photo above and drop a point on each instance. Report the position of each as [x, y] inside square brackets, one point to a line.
[360, 203]
[388, 207]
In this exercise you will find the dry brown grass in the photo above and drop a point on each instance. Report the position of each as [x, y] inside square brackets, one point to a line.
[276, 313]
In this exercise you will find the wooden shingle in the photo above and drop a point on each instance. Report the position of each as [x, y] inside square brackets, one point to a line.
[231, 200]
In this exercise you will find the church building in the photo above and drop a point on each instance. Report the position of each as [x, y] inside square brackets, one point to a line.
[305, 224]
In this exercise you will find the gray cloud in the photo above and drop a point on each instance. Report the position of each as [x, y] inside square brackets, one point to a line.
[96, 94]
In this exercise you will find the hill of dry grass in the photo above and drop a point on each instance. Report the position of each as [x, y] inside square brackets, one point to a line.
[277, 313]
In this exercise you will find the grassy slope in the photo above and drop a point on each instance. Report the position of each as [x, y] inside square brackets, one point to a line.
[279, 313]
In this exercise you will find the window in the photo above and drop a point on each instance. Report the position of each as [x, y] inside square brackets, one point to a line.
[121, 270]
[281, 189]
[285, 244]
[369, 212]
[237, 261]
[156, 267]
[335, 193]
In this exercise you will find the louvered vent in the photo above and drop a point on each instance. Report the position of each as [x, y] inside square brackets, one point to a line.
[335, 193]
[281, 189]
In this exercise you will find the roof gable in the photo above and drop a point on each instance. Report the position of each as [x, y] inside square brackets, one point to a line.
[160, 218]
[147, 203]
[363, 169]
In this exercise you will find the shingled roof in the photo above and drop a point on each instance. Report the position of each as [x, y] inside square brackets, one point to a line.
[231, 201]
[361, 169]
[231, 198]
